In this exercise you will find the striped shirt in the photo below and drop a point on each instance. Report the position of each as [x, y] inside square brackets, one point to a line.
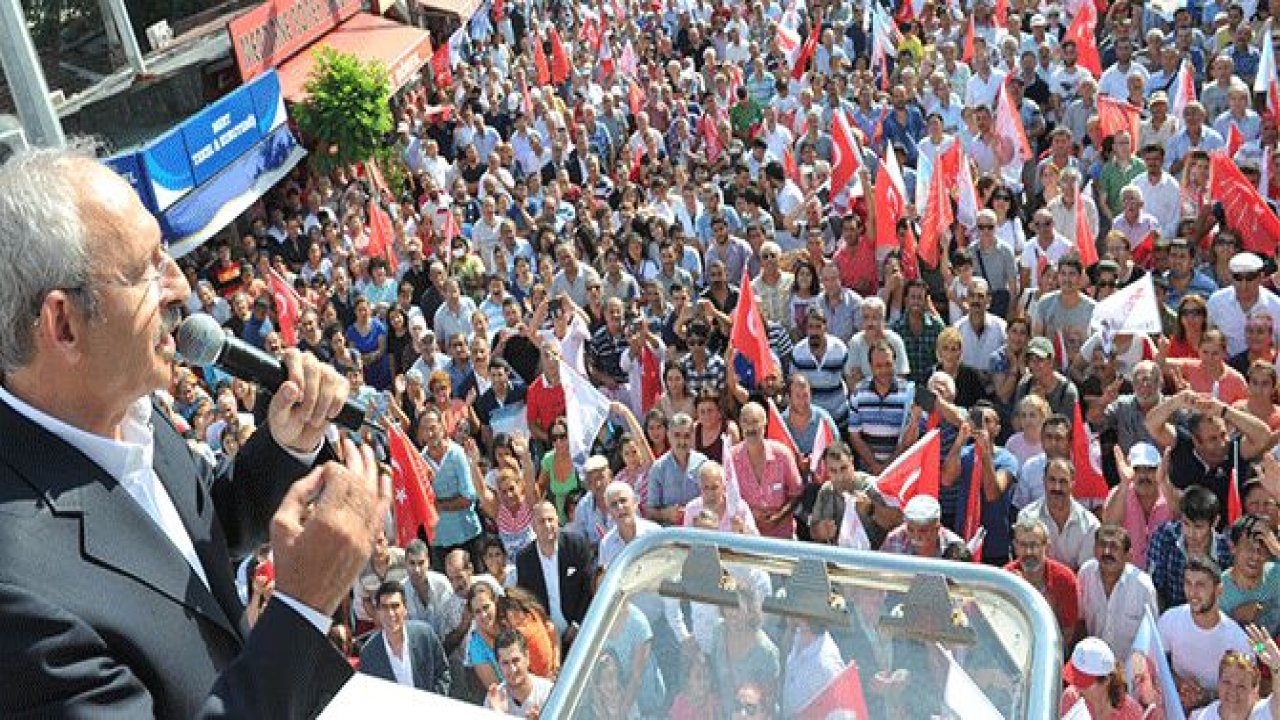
[880, 418]
[825, 376]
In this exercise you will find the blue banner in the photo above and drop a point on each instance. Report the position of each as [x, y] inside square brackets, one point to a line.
[167, 169]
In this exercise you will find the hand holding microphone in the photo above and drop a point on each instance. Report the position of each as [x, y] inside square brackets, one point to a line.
[307, 393]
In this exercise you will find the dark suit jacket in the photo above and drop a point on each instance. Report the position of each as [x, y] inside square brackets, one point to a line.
[101, 616]
[430, 666]
[576, 565]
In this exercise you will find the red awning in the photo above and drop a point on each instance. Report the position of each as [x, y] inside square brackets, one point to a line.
[402, 50]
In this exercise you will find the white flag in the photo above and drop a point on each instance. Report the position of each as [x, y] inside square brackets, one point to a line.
[852, 533]
[962, 696]
[1147, 670]
[1133, 309]
[586, 409]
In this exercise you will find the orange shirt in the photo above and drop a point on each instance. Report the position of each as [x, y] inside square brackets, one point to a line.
[1231, 386]
[541, 648]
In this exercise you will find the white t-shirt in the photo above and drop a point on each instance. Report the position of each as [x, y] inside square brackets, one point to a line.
[1196, 652]
[1260, 711]
[537, 697]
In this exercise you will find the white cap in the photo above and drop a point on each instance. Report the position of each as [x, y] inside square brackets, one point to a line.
[1091, 659]
[595, 463]
[1245, 262]
[922, 509]
[1144, 454]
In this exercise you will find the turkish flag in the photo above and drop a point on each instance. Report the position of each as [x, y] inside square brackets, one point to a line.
[843, 694]
[1090, 485]
[807, 50]
[1234, 140]
[823, 440]
[776, 429]
[1086, 243]
[890, 199]
[1009, 126]
[1243, 206]
[1116, 115]
[541, 68]
[1234, 507]
[288, 307]
[914, 472]
[650, 378]
[789, 166]
[381, 236]
[749, 337]
[1266, 81]
[635, 97]
[973, 505]
[966, 54]
[845, 161]
[441, 68]
[560, 67]
[1083, 30]
[937, 218]
[414, 495]
[1183, 90]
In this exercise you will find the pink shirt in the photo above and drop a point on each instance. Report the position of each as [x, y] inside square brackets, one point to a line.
[779, 482]
[1141, 527]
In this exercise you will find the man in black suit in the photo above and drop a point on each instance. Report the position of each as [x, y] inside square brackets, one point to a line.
[116, 593]
[404, 651]
[568, 594]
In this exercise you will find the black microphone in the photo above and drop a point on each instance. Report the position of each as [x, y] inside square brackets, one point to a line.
[201, 341]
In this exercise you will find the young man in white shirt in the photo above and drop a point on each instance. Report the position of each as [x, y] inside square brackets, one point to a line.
[1197, 633]
[522, 694]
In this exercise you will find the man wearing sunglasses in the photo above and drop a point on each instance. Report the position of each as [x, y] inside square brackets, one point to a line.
[1231, 307]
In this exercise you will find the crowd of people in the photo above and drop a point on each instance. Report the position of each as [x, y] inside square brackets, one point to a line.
[596, 189]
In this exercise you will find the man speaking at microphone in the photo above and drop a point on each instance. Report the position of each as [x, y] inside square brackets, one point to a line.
[116, 592]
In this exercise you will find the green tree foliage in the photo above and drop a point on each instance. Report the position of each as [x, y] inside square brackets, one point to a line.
[346, 114]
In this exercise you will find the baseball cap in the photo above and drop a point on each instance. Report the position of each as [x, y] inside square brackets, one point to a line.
[1040, 347]
[1145, 455]
[1090, 660]
[595, 463]
[1245, 262]
[922, 509]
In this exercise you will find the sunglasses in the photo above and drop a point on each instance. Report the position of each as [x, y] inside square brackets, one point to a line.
[1246, 277]
[558, 436]
[984, 226]
[1106, 283]
[1194, 312]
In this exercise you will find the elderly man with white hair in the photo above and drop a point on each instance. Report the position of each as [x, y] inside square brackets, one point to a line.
[1133, 221]
[628, 525]
[773, 286]
[719, 494]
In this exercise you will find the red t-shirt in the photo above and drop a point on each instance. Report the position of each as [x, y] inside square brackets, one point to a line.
[1060, 590]
[544, 403]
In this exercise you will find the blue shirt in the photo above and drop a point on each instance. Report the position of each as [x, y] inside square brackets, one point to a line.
[453, 480]
[995, 515]
[670, 485]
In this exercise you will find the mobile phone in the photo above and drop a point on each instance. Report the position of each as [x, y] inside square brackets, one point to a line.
[925, 398]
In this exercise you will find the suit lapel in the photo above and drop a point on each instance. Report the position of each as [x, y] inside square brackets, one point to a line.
[118, 534]
[179, 474]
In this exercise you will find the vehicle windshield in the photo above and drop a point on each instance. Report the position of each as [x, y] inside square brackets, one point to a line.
[695, 624]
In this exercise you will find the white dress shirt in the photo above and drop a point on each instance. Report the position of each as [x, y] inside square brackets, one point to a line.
[1115, 618]
[401, 665]
[551, 577]
[129, 461]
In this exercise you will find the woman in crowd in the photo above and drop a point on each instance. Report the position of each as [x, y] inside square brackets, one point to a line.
[454, 413]
[1029, 418]
[1193, 320]
[558, 475]
[712, 433]
[519, 610]
[969, 384]
[804, 293]
[1094, 678]
[675, 397]
[368, 336]
[1261, 400]
[482, 654]
[655, 432]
